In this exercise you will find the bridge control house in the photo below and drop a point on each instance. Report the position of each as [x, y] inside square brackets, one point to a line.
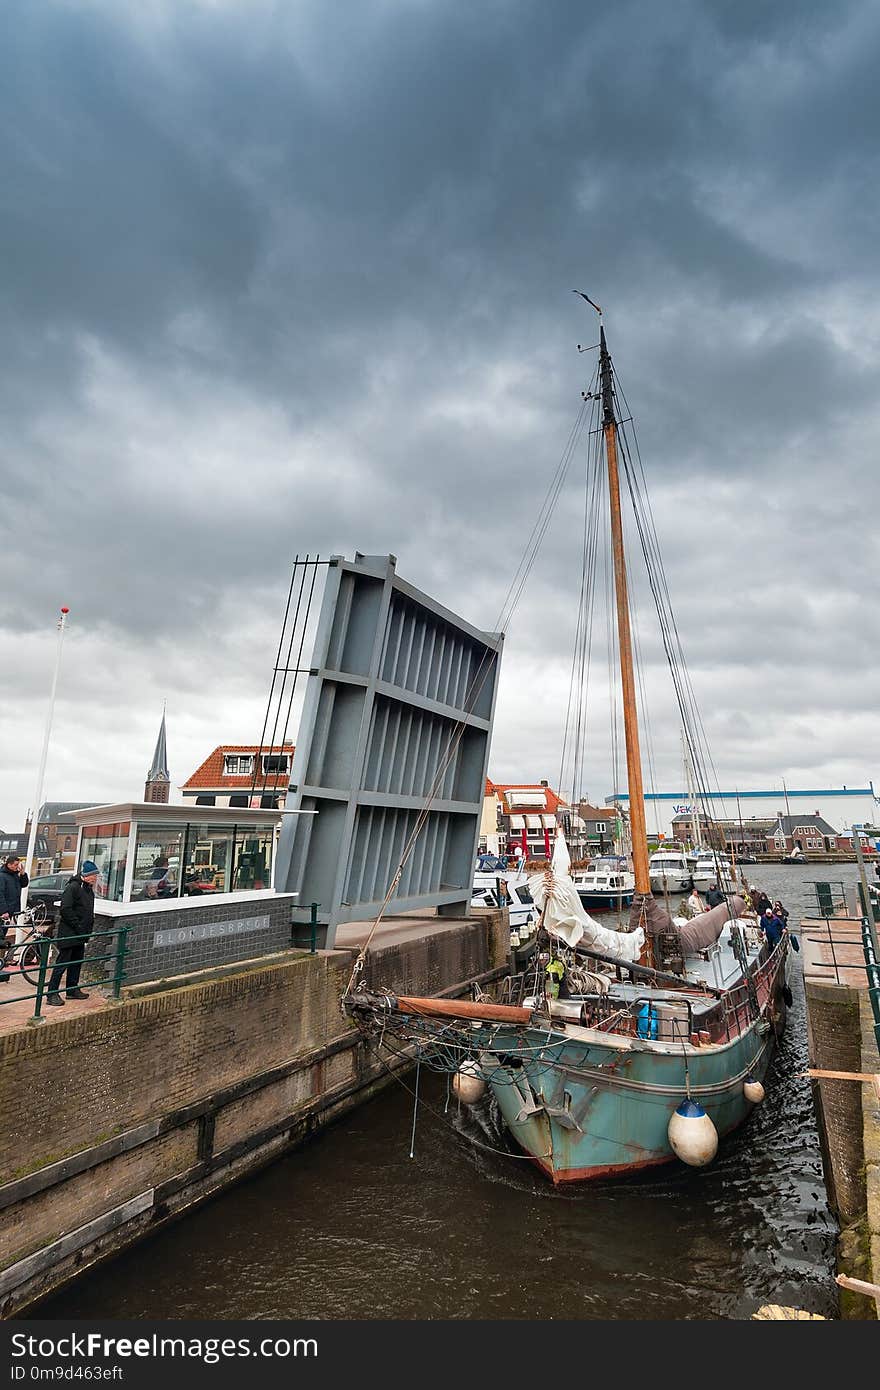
[192, 885]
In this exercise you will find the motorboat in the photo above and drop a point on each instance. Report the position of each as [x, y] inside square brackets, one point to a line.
[714, 866]
[669, 871]
[607, 882]
[510, 890]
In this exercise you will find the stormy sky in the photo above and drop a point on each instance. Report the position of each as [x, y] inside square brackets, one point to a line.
[290, 277]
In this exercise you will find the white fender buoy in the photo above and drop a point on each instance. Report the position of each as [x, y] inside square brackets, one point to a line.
[467, 1084]
[692, 1134]
[753, 1090]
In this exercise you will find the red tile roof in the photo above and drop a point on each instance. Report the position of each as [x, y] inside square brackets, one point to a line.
[552, 800]
[210, 777]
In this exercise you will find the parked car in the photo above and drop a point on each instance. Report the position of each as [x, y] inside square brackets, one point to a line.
[47, 888]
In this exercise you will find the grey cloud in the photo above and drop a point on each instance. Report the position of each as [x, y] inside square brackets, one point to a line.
[275, 283]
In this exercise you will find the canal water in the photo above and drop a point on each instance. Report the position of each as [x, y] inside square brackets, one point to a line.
[350, 1226]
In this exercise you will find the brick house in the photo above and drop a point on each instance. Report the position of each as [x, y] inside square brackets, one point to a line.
[57, 833]
[241, 774]
[805, 832]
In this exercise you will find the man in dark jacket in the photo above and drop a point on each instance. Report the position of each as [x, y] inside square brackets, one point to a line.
[12, 879]
[77, 921]
[772, 927]
[714, 897]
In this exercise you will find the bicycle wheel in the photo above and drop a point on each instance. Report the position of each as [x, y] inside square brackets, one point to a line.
[39, 914]
[29, 962]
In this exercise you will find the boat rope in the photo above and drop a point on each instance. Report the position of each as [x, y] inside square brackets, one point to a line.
[412, 1141]
[467, 1138]
[489, 1148]
[511, 600]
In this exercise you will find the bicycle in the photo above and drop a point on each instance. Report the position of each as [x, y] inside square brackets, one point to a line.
[24, 955]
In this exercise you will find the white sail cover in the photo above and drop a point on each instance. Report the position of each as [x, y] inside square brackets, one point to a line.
[564, 915]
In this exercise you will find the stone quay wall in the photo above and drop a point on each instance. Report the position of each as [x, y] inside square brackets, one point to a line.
[841, 1035]
[118, 1120]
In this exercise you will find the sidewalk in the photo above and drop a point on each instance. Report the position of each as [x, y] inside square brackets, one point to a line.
[14, 1016]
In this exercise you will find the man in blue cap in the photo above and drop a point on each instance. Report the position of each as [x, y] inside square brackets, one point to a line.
[77, 921]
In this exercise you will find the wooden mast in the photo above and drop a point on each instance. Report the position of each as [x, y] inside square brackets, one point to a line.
[638, 830]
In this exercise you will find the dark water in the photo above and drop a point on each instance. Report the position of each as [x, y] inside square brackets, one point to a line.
[351, 1227]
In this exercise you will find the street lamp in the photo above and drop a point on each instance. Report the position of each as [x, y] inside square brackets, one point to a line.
[38, 797]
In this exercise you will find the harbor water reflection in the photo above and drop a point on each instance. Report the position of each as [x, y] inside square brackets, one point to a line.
[351, 1227]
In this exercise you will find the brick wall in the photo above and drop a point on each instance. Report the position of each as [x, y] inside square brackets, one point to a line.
[116, 1121]
[195, 936]
[87, 1078]
[835, 1045]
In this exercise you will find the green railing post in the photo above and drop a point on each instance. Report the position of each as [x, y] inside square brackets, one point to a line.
[41, 980]
[314, 926]
[121, 941]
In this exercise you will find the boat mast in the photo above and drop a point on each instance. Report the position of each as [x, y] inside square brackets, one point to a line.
[638, 829]
[691, 794]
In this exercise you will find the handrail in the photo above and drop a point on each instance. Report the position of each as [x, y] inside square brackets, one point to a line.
[43, 945]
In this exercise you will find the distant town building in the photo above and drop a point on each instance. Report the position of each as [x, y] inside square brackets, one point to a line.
[807, 833]
[762, 836]
[604, 829]
[158, 784]
[840, 807]
[57, 832]
[17, 844]
[241, 774]
[520, 818]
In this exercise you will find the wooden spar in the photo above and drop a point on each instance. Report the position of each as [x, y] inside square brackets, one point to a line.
[463, 1008]
[638, 828]
[873, 1078]
[645, 972]
[857, 1285]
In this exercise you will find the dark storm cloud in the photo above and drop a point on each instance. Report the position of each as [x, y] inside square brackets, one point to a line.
[280, 278]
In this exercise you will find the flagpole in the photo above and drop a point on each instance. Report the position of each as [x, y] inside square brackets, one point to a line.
[38, 797]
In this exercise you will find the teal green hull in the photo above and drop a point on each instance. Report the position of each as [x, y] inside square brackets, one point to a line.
[590, 1112]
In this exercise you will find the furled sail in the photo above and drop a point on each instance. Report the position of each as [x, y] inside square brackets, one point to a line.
[564, 915]
[701, 931]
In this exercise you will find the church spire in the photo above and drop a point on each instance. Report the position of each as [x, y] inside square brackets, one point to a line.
[158, 783]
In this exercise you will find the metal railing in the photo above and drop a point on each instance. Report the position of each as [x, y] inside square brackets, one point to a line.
[44, 946]
[298, 929]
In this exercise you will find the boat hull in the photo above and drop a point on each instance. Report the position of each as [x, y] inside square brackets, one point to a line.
[586, 1127]
[704, 880]
[608, 900]
[591, 1110]
[673, 882]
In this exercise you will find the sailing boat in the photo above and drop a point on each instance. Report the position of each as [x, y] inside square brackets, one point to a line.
[614, 1050]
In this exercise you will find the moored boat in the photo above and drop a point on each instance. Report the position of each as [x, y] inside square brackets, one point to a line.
[606, 883]
[614, 1050]
[714, 866]
[670, 871]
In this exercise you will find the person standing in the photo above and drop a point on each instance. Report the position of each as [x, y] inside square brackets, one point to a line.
[12, 879]
[772, 928]
[77, 921]
[714, 897]
[695, 903]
